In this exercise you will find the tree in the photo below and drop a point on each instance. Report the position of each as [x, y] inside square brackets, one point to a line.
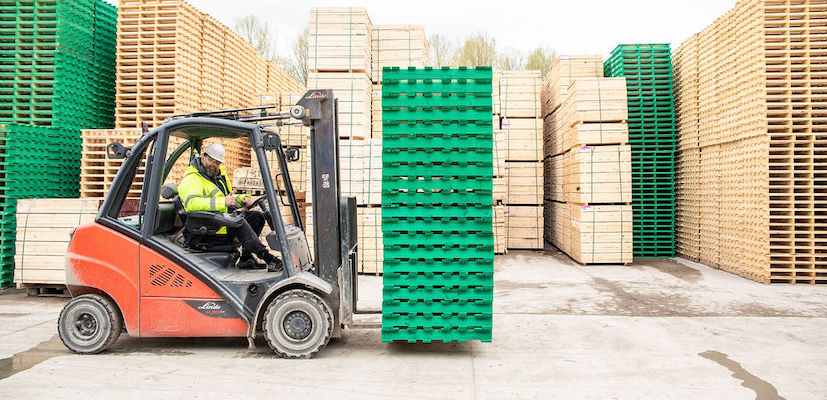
[296, 63]
[442, 50]
[510, 60]
[542, 59]
[480, 49]
[257, 32]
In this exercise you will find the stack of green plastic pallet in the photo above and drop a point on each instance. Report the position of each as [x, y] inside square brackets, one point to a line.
[648, 72]
[437, 164]
[57, 76]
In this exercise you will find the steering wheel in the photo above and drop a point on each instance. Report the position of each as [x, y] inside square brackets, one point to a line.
[259, 202]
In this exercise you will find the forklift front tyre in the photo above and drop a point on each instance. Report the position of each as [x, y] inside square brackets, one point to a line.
[298, 324]
[89, 324]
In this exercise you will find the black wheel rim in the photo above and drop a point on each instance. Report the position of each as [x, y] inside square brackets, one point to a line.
[86, 325]
[297, 325]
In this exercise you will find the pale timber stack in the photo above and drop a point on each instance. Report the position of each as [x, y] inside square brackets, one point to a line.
[752, 146]
[174, 59]
[587, 162]
[518, 155]
[400, 46]
[43, 229]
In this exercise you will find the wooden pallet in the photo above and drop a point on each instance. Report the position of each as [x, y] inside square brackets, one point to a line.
[499, 230]
[741, 105]
[595, 100]
[173, 59]
[353, 89]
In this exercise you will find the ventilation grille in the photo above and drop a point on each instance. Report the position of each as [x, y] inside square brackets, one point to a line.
[161, 276]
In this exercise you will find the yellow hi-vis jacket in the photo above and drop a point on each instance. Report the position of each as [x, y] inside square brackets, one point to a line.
[199, 193]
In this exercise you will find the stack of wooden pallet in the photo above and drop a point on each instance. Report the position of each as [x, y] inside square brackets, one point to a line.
[750, 139]
[588, 163]
[43, 229]
[395, 46]
[173, 59]
[518, 154]
[97, 172]
[688, 154]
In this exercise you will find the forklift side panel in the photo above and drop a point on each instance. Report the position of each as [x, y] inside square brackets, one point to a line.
[162, 316]
[175, 303]
[161, 277]
[103, 259]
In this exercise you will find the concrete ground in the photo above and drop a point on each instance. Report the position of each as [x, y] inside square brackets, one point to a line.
[660, 329]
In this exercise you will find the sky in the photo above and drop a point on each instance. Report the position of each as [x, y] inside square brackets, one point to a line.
[568, 27]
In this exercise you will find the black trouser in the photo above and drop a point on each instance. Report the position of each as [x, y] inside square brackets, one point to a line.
[248, 234]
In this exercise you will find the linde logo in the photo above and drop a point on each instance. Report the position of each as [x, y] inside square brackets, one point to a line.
[209, 306]
[316, 95]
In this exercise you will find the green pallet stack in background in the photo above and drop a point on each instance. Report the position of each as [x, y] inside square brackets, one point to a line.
[648, 72]
[57, 76]
[437, 164]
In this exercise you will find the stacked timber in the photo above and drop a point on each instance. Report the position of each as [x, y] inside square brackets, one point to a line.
[587, 167]
[339, 39]
[43, 233]
[360, 176]
[399, 46]
[395, 46]
[518, 155]
[174, 59]
[353, 89]
[750, 139]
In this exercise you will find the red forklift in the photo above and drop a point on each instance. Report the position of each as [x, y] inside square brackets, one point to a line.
[128, 271]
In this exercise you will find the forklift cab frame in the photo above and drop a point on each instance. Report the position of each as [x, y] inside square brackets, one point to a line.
[212, 297]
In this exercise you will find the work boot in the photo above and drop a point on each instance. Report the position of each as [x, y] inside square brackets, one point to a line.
[273, 263]
[248, 262]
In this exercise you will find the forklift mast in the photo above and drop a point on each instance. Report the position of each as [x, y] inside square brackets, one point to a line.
[334, 224]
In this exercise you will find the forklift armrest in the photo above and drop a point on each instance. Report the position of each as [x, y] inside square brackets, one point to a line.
[209, 223]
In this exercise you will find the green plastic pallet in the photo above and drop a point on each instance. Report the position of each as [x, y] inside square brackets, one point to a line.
[648, 72]
[436, 204]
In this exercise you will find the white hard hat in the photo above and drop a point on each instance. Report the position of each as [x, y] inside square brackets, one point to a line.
[216, 152]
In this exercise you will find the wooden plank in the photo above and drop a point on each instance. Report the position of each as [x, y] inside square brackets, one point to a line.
[43, 233]
[524, 227]
[524, 183]
[598, 175]
[564, 71]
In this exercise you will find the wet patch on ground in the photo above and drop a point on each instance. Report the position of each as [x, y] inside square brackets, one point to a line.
[29, 358]
[763, 389]
[671, 267]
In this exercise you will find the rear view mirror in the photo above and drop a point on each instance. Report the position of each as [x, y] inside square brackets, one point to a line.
[293, 153]
[271, 142]
[117, 151]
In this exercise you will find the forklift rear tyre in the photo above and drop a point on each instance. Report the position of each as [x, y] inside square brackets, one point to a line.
[298, 324]
[89, 324]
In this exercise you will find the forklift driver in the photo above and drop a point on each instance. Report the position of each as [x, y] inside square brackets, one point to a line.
[205, 187]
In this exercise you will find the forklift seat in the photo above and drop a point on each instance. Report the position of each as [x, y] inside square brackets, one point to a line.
[200, 227]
